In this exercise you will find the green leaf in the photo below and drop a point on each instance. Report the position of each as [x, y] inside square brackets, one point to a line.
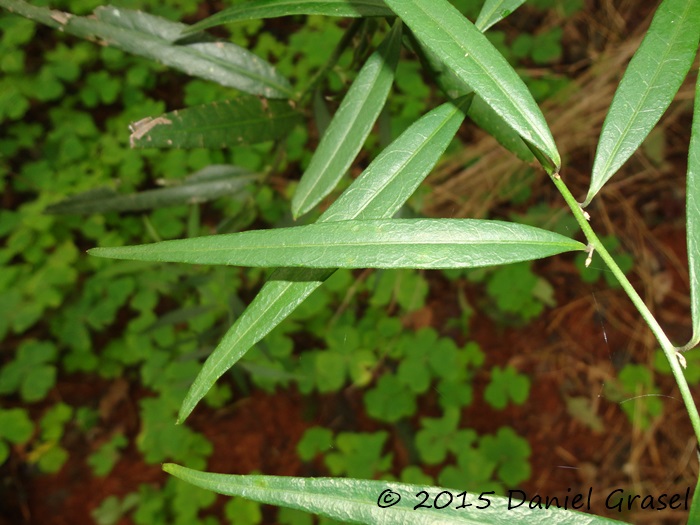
[330, 371]
[209, 183]
[112, 509]
[390, 400]
[358, 455]
[470, 55]
[314, 441]
[514, 289]
[223, 124]
[480, 112]
[637, 395]
[279, 297]
[379, 192]
[388, 243]
[154, 37]
[692, 211]
[494, 11]
[350, 126]
[652, 79]
[491, 122]
[438, 436]
[31, 373]
[473, 471]
[506, 384]
[510, 452]
[242, 512]
[159, 440]
[255, 9]
[54, 420]
[15, 425]
[356, 501]
[102, 461]
[53, 459]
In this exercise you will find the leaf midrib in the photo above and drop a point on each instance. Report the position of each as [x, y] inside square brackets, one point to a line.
[424, 144]
[525, 114]
[382, 243]
[359, 501]
[350, 130]
[487, 16]
[611, 157]
[338, 497]
[243, 8]
[163, 43]
[232, 67]
[196, 388]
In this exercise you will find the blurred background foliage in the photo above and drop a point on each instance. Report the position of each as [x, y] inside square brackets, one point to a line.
[384, 369]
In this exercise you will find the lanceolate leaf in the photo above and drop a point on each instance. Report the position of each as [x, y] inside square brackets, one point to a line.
[222, 124]
[491, 122]
[470, 55]
[255, 9]
[480, 112]
[211, 183]
[383, 502]
[494, 11]
[153, 37]
[693, 218]
[378, 193]
[653, 77]
[387, 243]
[350, 125]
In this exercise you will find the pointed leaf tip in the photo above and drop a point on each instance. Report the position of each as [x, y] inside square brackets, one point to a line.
[379, 192]
[493, 11]
[471, 56]
[648, 86]
[385, 243]
[693, 220]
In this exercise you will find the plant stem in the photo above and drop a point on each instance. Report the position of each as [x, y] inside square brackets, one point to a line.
[666, 345]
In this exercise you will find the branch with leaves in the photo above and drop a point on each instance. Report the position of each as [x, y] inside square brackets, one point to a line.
[357, 230]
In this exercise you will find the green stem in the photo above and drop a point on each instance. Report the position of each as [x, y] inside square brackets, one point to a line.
[666, 345]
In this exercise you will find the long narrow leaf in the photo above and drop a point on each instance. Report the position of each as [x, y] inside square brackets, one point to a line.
[383, 502]
[387, 243]
[692, 211]
[469, 54]
[211, 183]
[480, 112]
[653, 77]
[255, 9]
[378, 193]
[222, 124]
[350, 126]
[153, 37]
[494, 11]
[491, 122]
